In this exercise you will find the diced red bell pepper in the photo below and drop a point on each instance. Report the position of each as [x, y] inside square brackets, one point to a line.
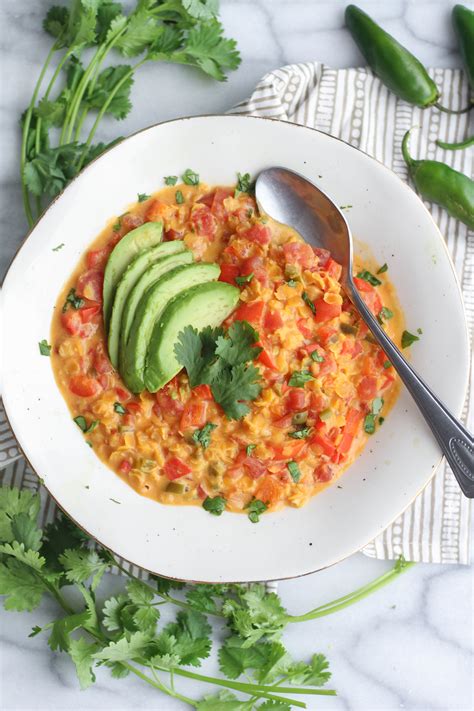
[367, 389]
[296, 400]
[326, 312]
[353, 420]
[203, 392]
[84, 386]
[175, 468]
[96, 258]
[194, 414]
[251, 312]
[272, 321]
[254, 467]
[228, 273]
[324, 442]
[333, 268]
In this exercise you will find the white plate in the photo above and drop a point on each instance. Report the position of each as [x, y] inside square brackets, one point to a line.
[186, 542]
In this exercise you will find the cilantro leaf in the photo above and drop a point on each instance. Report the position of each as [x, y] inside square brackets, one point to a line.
[144, 614]
[256, 507]
[124, 648]
[201, 9]
[143, 197]
[408, 338]
[62, 628]
[106, 82]
[12, 503]
[244, 182]
[22, 587]
[207, 49]
[75, 301]
[303, 433]
[189, 177]
[195, 352]
[56, 21]
[140, 31]
[187, 638]
[235, 658]
[256, 614]
[171, 179]
[223, 701]
[384, 314]
[369, 423]
[241, 280]
[271, 705]
[59, 536]
[106, 14]
[118, 407]
[235, 386]
[369, 277]
[179, 197]
[25, 531]
[299, 378]
[317, 357]
[201, 596]
[81, 564]
[239, 345]
[383, 268]
[249, 449]
[214, 505]
[313, 674]
[82, 654]
[111, 612]
[203, 436]
[81, 422]
[308, 302]
[44, 347]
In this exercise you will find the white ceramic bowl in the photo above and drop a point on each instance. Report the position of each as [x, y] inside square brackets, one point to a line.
[186, 542]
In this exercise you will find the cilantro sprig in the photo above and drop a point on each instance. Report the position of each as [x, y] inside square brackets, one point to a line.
[179, 31]
[125, 633]
[223, 361]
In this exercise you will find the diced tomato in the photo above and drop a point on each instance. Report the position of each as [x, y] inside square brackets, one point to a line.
[333, 268]
[353, 420]
[304, 327]
[71, 321]
[327, 334]
[251, 312]
[203, 221]
[207, 199]
[284, 422]
[269, 490]
[175, 468]
[157, 210]
[89, 285]
[254, 467]
[290, 450]
[272, 320]
[217, 206]
[100, 362]
[96, 258]
[311, 347]
[266, 357]
[296, 399]
[351, 347]
[203, 392]
[326, 312]
[134, 407]
[122, 394]
[299, 253]
[228, 273]
[258, 233]
[324, 472]
[128, 420]
[201, 493]
[172, 234]
[84, 386]
[167, 403]
[255, 265]
[125, 467]
[369, 295]
[323, 441]
[88, 311]
[318, 402]
[323, 256]
[367, 388]
[388, 380]
[194, 414]
[130, 222]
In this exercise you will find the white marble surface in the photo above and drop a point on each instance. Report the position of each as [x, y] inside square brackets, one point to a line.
[410, 646]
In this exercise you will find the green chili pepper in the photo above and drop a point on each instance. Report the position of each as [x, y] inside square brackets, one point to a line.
[441, 184]
[398, 68]
[463, 23]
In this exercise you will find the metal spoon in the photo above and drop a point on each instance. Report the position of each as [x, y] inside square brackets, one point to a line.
[292, 200]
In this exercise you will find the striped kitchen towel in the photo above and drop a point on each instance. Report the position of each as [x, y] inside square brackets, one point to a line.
[354, 105]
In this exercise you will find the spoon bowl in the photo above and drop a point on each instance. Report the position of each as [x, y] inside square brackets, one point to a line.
[291, 199]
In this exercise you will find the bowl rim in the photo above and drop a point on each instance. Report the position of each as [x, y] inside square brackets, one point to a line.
[239, 116]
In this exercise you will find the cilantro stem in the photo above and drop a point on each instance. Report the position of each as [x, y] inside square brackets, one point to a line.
[259, 689]
[340, 603]
[49, 88]
[26, 130]
[71, 114]
[105, 106]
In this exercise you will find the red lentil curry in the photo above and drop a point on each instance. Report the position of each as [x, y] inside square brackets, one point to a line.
[324, 386]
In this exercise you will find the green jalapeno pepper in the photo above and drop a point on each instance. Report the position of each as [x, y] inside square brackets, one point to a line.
[437, 182]
[398, 68]
[463, 23]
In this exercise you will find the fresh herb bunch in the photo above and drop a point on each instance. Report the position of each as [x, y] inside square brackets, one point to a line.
[124, 633]
[179, 31]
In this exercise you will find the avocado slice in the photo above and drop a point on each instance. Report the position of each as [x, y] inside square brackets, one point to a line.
[128, 280]
[199, 306]
[149, 277]
[149, 310]
[143, 237]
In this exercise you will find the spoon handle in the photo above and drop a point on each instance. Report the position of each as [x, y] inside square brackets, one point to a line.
[455, 441]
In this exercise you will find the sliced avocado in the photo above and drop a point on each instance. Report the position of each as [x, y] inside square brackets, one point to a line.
[128, 280]
[149, 277]
[199, 306]
[149, 310]
[143, 237]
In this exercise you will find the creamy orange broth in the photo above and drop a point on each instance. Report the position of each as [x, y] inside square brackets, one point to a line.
[156, 427]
